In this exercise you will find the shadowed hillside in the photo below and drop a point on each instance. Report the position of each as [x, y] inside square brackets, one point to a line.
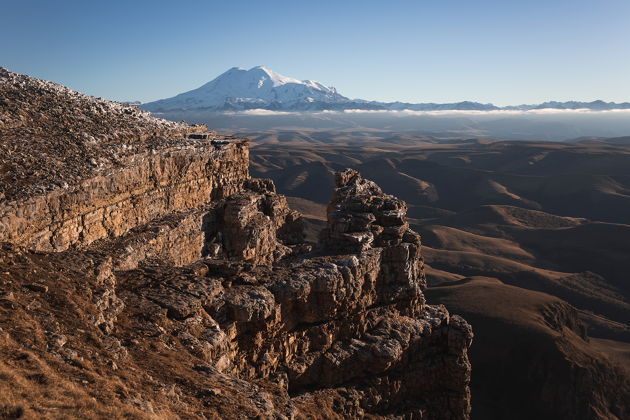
[543, 226]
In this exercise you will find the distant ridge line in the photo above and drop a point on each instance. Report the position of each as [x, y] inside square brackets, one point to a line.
[261, 88]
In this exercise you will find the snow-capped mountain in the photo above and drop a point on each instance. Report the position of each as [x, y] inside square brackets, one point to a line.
[261, 88]
[257, 87]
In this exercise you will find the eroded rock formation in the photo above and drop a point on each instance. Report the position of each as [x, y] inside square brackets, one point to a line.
[175, 286]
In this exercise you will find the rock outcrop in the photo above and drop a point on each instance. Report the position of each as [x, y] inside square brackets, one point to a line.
[175, 286]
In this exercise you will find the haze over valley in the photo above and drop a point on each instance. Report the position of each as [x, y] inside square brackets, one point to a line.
[260, 99]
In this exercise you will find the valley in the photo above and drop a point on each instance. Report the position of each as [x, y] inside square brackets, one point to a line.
[157, 268]
[407, 210]
[527, 240]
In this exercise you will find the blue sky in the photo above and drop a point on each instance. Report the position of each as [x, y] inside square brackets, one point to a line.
[505, 52]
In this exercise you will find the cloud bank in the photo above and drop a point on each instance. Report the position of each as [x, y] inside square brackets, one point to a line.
[441, 113]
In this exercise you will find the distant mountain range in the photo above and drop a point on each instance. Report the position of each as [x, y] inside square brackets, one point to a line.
[262, 88]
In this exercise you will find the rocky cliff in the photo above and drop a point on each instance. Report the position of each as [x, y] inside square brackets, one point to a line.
[151, 277]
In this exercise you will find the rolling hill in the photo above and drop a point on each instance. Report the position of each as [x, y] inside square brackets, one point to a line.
[528, 240]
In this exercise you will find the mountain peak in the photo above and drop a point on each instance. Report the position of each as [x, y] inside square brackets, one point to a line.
[262, 88]
[258, 87]
[276, 78]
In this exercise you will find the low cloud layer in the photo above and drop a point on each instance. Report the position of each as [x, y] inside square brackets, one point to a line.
[538, 124]
[441, 113]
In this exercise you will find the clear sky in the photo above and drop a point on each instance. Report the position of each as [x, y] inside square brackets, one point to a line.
[500, 51]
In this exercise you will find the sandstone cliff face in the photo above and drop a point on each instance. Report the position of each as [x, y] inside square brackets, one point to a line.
[149, 187]
[175, 286]
[286, 332]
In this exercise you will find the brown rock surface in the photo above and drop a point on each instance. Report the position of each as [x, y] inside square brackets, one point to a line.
[174, 286]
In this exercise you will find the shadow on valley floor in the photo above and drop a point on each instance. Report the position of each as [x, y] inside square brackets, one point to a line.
[527, 240]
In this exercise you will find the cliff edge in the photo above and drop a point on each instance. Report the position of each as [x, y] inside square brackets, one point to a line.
[144, 274]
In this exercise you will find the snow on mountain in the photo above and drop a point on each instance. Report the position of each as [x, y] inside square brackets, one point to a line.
[257, 87]
[262, 88]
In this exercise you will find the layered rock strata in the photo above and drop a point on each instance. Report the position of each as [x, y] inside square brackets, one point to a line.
[151, 186]
[339, 332]
[175, 286]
